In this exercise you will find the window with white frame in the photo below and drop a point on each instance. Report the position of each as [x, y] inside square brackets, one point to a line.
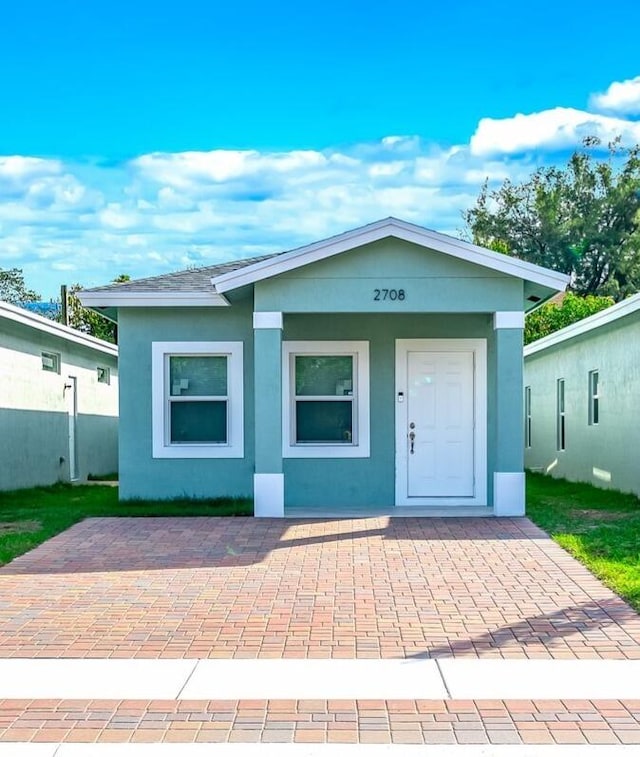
[594, 398]
[560, 416]
[51, 361]
[197, 399]
[527, 416]
[325, 399]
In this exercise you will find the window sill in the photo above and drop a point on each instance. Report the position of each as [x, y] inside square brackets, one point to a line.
[196, 451]
[326, 451]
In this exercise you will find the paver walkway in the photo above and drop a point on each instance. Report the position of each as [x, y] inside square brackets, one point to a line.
[313, 721]
[376, 587]
[369, 588]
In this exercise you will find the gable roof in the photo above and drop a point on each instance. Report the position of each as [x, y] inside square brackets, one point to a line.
[388, 227]
[47, 326]
[592, 322]
[189, 280]
[207, 285]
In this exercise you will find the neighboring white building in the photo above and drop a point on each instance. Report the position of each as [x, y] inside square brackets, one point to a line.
[58, 402]
[581, 396]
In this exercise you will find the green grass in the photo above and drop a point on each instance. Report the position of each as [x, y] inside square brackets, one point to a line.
[599, 527]
[30, 516]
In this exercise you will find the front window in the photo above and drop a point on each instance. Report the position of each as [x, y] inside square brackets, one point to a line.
[198, 401]
[326, 399]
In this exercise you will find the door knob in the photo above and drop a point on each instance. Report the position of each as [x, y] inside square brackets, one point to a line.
[412, 436]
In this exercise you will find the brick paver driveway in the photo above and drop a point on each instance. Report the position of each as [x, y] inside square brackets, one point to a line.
[375, 587]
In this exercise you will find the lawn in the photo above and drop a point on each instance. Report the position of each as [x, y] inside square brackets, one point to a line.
[30, 516]
[599, 527]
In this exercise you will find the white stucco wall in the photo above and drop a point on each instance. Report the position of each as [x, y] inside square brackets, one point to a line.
[34, 416]
[605, 454]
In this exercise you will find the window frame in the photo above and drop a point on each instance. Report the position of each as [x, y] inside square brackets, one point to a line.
[161, 352]
[561, 411]
[360, 445]
[594, 398]
[57, 358]
[527, 417]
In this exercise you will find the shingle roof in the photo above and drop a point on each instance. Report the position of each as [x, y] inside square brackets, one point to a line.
[191, 280]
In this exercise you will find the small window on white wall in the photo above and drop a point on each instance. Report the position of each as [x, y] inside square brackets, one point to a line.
[325, 399]
[197, 399]
[527, 416]
[560, 416]
[594, 398]
[104, 374]
[51, 362]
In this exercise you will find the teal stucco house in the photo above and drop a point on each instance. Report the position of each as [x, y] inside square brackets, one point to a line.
[378, 371]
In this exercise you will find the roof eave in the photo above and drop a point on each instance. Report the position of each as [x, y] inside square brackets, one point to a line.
[592, 322]
[132, 299]
[47, 326]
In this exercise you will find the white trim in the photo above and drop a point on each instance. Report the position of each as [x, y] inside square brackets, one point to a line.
[389, 227]
[508, 494]
[620, 310]
[268, 495]
[362, 414]
[479, 348]
[131, 299]
[47, 326]
[235, 400]
[508, 319]
[267, 320]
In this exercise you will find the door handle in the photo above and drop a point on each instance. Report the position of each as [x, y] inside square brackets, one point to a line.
[412, 436]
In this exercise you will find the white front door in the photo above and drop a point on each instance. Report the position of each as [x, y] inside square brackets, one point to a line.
[438, 406]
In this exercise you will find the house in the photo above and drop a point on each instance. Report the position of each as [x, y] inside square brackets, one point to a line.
[58, 402]
[376, 371]
[582, 392]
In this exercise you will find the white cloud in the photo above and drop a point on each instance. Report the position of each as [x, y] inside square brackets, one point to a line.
[621, 97]
[18, 168]
[555, 129]
[165, 211]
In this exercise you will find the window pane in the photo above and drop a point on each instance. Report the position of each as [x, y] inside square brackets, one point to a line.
[594, 383]
[324, 421]
[322, 375]
[596, 411]
[199, 422]
[198, 376]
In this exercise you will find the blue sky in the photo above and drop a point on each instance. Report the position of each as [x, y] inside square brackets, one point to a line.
[144, 137]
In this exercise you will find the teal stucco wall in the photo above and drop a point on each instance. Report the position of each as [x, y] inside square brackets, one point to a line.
[142, 476]
[605, 454]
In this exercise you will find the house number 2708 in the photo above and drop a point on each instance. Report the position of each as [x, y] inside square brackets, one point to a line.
[389, 294]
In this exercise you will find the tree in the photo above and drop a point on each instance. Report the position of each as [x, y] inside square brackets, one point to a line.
[13, 288]
[553, 316]
[583, 219]
[87, 320]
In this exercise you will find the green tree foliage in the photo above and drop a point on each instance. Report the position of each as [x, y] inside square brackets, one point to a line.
[583, 219]
[89, 321]
[552, 316]
[13, 288]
